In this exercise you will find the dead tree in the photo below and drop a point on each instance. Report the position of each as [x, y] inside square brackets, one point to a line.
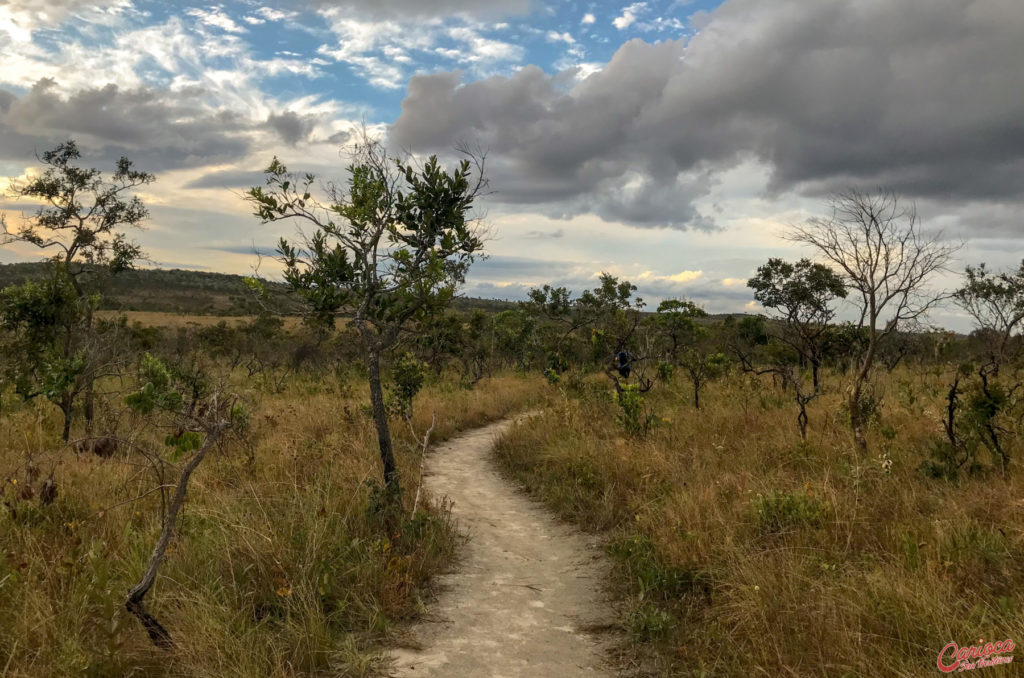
[879, 247]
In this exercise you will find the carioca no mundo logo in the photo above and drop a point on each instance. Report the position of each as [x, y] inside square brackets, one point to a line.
[955, 658]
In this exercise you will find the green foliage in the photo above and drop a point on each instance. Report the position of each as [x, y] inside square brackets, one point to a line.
[401, 245]
[658, 586]
[632, 413]
[946, 462]
[407, 376]
[666, 371]
[157, 390]
[777, 511]
[996, 302]
[801, 292]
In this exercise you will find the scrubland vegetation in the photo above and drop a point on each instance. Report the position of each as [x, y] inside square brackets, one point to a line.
[739, 550]
[784, 494]
[282, 565]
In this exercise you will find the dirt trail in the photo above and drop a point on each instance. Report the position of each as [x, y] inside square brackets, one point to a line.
[525, 591]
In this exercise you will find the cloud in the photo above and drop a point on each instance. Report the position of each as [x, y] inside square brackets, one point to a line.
[158, 129]
[922, 99]
[20, 19]
[628, 16]
[217, 18]
[228, 179]
[385, 51]
[418, 9]
[545, 235]
[588, 18]
[555, 36]
[291, 127]
[271, 14]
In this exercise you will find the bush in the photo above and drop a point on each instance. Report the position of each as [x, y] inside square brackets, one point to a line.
[633, 416]
[776, 511]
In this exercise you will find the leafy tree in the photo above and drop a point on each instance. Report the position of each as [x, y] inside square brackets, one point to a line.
[996, 302]
[388, 249]
[702, 364]
[515, 334]
[80, 219]
[676, 322]
[606, 318]
[802, 295]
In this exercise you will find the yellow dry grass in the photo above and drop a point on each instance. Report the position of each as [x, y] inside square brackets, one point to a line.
[740, 551]
[176, 320]
[281, 568]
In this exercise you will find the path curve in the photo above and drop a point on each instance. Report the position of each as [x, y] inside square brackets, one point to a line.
[524, 593]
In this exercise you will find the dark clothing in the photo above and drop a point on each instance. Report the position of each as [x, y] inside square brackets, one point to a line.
[625, 360]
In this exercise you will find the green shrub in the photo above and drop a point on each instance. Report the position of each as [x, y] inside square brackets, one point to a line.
[776, 511]
[633, 415]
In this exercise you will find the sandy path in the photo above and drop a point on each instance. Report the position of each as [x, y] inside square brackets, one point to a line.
[520, 600]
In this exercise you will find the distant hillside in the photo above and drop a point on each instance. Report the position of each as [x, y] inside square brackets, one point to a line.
[191, 292]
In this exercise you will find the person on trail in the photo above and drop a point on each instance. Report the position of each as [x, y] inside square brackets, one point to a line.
[625, 363]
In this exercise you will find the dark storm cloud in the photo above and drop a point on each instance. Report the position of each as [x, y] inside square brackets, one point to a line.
[922, 97]
[291, 127]
[157, 129]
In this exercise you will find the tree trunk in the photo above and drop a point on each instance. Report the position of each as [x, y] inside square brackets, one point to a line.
[380, 418]
[67, 407]
[857, 417]
[696, 394]
[134, 602]
[90, 406]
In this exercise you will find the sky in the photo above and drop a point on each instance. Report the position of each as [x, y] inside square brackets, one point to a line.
[669, 142]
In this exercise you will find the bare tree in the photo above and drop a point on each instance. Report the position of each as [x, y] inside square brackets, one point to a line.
[878, 246]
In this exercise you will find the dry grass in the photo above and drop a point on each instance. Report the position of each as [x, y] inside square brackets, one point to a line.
[740, 551]
[281, 568]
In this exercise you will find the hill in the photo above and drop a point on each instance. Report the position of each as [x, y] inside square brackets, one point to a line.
[191, 292]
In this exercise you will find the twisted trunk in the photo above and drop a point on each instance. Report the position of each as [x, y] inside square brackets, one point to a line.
[134, 602]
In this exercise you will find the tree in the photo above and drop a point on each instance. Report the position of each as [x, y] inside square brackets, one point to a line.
[607, 316]
[996, 302]
[675, 320]
[886, 259]
[79, 220]
[389, 248]
[802, 295]
[687, 343]
[200, 415]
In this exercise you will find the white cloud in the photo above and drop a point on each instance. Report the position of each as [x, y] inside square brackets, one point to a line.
[733, 282]
[271, 14]
[482, 49]
[628, 16]
[555, 36]
[19, 19]
[215, 17]
[588, 18]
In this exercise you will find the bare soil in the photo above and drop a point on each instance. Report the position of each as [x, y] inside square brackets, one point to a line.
[525, 596]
